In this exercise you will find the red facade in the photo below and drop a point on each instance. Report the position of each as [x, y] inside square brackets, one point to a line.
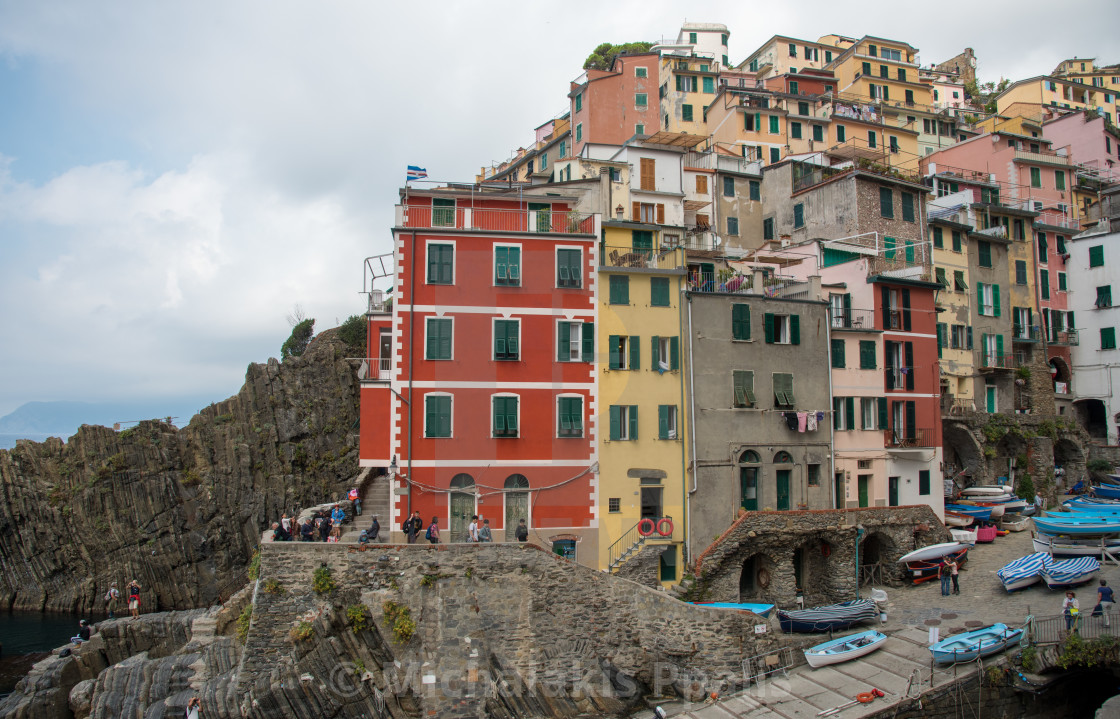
[907, 315]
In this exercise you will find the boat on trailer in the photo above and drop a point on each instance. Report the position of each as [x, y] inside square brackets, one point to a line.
[1062, 525]
[845, 648]
[833, 616]
[968, 646]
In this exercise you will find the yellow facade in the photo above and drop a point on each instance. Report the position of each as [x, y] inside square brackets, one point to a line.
[955, 300]
[690, 86]
[1083, 91]
[651, 463]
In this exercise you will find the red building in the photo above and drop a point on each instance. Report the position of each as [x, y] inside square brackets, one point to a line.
[484, 400]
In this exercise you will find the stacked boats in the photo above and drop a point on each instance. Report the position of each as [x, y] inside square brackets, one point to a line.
[983, 505]
[1089, 526]
[922, 564]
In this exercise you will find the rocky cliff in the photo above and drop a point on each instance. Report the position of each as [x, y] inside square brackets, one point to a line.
[180, 510]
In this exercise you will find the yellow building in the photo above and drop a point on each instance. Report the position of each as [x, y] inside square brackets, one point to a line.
[1068, 87]
[688, 85]
[642, 486]
[949, 238]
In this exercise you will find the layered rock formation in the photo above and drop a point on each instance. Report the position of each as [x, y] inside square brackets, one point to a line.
[181, 511]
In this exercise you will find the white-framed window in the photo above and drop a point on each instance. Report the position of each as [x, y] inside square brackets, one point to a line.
[507, 265]
[438, 411]
[782, 334]
[575, 341]
[569, 415]
[440, 257]
[507, 338]
[569, 267]
[505, 415]
[869, 413]
[667, 421]
[641, 72]
[987, 304]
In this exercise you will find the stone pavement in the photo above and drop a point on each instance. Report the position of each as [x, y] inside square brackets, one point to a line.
[903, 665]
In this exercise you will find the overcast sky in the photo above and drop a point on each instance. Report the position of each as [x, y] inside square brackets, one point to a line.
[175, 177]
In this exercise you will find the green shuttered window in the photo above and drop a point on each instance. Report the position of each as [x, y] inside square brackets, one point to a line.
[505, 416]
[740, 322]
[437, 416]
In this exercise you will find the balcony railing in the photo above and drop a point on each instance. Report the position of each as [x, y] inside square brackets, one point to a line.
[806, 175]
[1045, 157]
[908, 437]
[1067, 337]
[718, 161]
[1020, 333]
[851, 319]
[1057, 219]
[665, 258]
[376, 369]
[736, 284]
[466, 218]
[998, 361]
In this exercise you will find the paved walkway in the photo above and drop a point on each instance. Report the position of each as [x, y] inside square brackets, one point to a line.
[903, 664]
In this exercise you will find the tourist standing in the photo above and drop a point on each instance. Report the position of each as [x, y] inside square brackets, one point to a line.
[522, 533]
[943, 574]
[337, 515]
[433, 530]
[134, 598]
[472, 529]
[374, 530]
[954, 568]
[1071, 608]
[412, 527]
[194, 705]
[286, 523]
[1105, 601]
[484, 533]
[111, 598]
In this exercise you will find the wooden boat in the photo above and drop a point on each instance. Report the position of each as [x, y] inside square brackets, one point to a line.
[1109, 492]
[968, 646]
[987, 489]
[1070, 547]
[842, 649]
[833, 616]
[933, 551]
[1070, 572]
[1023, 572]
[982, 514]
[996, 509]
[1091, 501]
[925, 570]
[1015, 525]
[1077, 508]
[762, 610]
[955, 519]
[963, 536]
[1080, 527]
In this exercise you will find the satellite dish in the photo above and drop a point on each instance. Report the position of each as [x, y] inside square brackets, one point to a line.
[717, 240]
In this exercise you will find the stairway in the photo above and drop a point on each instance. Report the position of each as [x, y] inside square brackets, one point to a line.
[374, 492]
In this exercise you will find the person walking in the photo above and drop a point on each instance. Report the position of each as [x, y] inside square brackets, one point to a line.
[134, 598]
[374, 532]
[943, 574]
[484, 534]
[433, 531]
[1071, 609]
[954, 570]
[472, 529]
[522, 532]
[1105, 600]
[111, 598]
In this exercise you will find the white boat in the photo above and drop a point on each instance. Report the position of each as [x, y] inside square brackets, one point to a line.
[933, 551]
[842, 649]
[1024, 572]
[952, 519]
[1070, 572]
[1066, 547]
[1014, 523]
[998, 509]
[963, 536]
[988, 489]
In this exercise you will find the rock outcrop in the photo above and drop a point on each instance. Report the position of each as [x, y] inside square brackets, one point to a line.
[180, 510]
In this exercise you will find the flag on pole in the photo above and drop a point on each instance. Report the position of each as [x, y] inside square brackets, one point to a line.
[416, 173]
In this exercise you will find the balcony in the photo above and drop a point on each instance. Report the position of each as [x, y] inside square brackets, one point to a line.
[1025, 334]
[375, 369]
[908, 437]
[718, 161]
[1057, 219]
[991, 362]
[1066, 338]
[806, 175]
[851, 319]
[666, 258]
[1042, 157]
[466, 218]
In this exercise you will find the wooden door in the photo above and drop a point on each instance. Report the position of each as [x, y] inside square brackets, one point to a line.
[892, 491]
[864, 486]
[462, 507]
[748, 488]
[783, 488]
[517, 508]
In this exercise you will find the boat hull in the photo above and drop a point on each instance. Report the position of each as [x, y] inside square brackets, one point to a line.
[982, 514]
[969, 646]
[823, 619]
[1070, 572]
[1056, 525]
[1064, 547]
[1106, 492]
[844, 649]
[762, 610]
[933, 551]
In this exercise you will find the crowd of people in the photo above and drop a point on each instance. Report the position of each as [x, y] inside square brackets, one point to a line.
[322, 526]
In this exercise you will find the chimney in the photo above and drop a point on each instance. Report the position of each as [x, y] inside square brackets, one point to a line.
[815, 287]
[758, 279]
[605, 191]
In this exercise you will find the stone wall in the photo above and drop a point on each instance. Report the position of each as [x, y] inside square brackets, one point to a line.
[179, 510]
[754, 560]
[645, 567]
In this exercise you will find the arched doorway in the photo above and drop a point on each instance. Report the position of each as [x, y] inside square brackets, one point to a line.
[783, 474]
[750, 466]
[1070, 457]
[875, 552]
[1059, 374]
[964, 457]
[517, 504]
[812, 571]
[755, 578]
[1094, 417]
[461, 501]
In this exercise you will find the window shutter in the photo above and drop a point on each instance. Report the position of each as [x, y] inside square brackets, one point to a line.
[654, 352]
[838, 353]
[637, 212]
[968, 336]
[909, 350]
[433, 339]
[787, 380]
[616, 421]
[588, 342]
[837, 412]
[906, 310]
[633, 421]
[499, 419]
[613, 345]
[980, 298]
[866, 354]
[674, 353]
[768, 320]
[850, 412]
[432, 415]
[511, 414]
[794, 329]
[882, 402]
[940, 338]
[443, 405]
[911, 430]
[847, 310]
[501, 262]
[890, 364]
[999, 345]
[660, 214]
[662, 421]
[886, 295]
[995, 300]
[635, 353]
[499, 340]
[564, 344]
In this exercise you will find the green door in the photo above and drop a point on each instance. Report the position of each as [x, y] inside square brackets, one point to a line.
[643, 243]
[443, 213]
[783, 488]
[462, 507]
[707, 277]
[990, 399]
[839, 490]
[517, 508]
[748, 488]
[892, 491]
[864, 483]
[544, 215]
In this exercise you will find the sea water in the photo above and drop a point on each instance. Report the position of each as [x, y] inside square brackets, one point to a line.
[25, 636]
[7, 441]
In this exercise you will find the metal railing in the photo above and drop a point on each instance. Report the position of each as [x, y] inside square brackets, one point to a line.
[466, 218]
[1046, 157]
[1057, 219]
[630, 540]
[806, 175]
[718, 161]
[735, 284]
[998, 361]
[1053, 630]
[1067, 337]
[665, 258]
[375, 369]
[1020, 333]
[852, 319]
[908, 437]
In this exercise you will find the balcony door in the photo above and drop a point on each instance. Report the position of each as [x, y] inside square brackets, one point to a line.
[782, 485]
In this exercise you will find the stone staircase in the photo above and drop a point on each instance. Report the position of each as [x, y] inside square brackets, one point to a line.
[375, 495]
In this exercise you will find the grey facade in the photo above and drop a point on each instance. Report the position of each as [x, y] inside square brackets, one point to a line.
[753, 360]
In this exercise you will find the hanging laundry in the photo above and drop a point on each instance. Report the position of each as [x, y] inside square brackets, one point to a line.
[811, 422]
[802, 419]
[905, 370]
[791, 420]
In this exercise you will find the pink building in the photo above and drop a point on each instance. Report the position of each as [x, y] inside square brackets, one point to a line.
[1093, 144]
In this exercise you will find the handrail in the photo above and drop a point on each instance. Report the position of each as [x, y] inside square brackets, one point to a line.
[623, 543]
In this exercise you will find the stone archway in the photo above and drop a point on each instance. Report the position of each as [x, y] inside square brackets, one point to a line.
[1059, 370]
[1094, 417]
[756, 578]
[877, 553]
[963, 455]
[812, 568]
[1071, 458]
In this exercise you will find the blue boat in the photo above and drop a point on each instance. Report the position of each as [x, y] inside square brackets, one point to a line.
[833, 616]
[1080, 527]
[762, 610]
[982, 514]
[1109, 509]
[1070, 572]
[1023, 572]
[981, 642]
[1109, 492]
[842, 649]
